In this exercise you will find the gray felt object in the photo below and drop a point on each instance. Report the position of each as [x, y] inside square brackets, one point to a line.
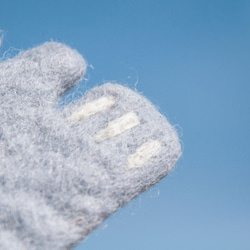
[63, 170]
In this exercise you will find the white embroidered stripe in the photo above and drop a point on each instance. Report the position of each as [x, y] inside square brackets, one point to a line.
[143, 154]
[118, 126]
[92, 108]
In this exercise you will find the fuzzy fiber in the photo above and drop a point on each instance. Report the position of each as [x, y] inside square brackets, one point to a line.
[57, 183]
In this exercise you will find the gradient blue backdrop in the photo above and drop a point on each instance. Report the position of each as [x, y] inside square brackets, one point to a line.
[190, 58]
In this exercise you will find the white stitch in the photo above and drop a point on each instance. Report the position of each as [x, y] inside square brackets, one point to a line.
[118, 126]
[143, 154]
[92, 108]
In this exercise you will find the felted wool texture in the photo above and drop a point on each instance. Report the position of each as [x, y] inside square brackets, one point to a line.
[57, 181]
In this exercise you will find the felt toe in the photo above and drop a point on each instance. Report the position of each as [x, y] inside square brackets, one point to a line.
[52, 67]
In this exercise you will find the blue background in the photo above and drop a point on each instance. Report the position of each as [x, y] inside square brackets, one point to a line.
[190, 58]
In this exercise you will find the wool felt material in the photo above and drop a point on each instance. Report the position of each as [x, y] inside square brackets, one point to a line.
[63, 170]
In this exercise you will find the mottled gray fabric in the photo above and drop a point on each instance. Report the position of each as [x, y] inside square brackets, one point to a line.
[57, 182]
